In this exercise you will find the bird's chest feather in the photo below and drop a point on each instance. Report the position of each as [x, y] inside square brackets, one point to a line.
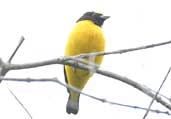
[86, 40]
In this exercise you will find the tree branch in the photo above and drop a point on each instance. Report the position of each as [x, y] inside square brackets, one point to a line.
[145, 115]
[16, 49]
[22, 105]
[55, 80]
[70, 61]
[3, 72]
[120, 51]
[62, 61]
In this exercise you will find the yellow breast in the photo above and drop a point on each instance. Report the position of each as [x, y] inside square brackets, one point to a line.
[86, 37]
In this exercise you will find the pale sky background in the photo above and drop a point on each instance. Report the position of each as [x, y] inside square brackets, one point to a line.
[46, 24]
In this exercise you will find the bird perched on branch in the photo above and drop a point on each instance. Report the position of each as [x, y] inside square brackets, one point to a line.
[86, 37]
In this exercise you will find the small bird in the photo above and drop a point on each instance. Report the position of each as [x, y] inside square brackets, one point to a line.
[86, 37]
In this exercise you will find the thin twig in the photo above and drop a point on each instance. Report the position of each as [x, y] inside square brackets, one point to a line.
[55, 80]
[5, 71]
[120, 51]
[22, 105]
[169, 99]
[16, 49]
[145, 115]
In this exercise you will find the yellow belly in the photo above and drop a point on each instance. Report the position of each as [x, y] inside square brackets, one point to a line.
[86, 37]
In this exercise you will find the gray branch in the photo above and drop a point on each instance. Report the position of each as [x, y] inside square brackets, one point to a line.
[5, 67]
[62, 61]
[55, 80]
[122, 50]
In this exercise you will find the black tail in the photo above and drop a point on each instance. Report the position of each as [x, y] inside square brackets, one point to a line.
[72, 105]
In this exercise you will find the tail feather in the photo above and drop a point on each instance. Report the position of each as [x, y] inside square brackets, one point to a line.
[72, 105]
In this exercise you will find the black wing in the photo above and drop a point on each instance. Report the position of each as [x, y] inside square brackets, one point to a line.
[66, 80]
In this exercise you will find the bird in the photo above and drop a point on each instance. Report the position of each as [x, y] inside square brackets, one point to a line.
[86, 37]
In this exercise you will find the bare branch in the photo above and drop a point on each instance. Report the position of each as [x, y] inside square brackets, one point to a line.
[55, 80]
[4, 71]
[34, 65]
[136, 85]
[22, 105]
[121, 51]
[70, 61]
[167, 98]
[62, 61]
[157, 93]
[18, 46]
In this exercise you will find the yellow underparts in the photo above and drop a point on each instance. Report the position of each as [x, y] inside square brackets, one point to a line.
[86, 37]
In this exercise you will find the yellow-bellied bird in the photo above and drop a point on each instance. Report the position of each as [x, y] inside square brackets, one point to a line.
[86, 37]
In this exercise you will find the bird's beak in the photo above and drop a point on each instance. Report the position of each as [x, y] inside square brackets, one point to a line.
[104, 17]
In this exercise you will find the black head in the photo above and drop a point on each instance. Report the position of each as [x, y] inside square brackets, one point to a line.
[97, 18]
